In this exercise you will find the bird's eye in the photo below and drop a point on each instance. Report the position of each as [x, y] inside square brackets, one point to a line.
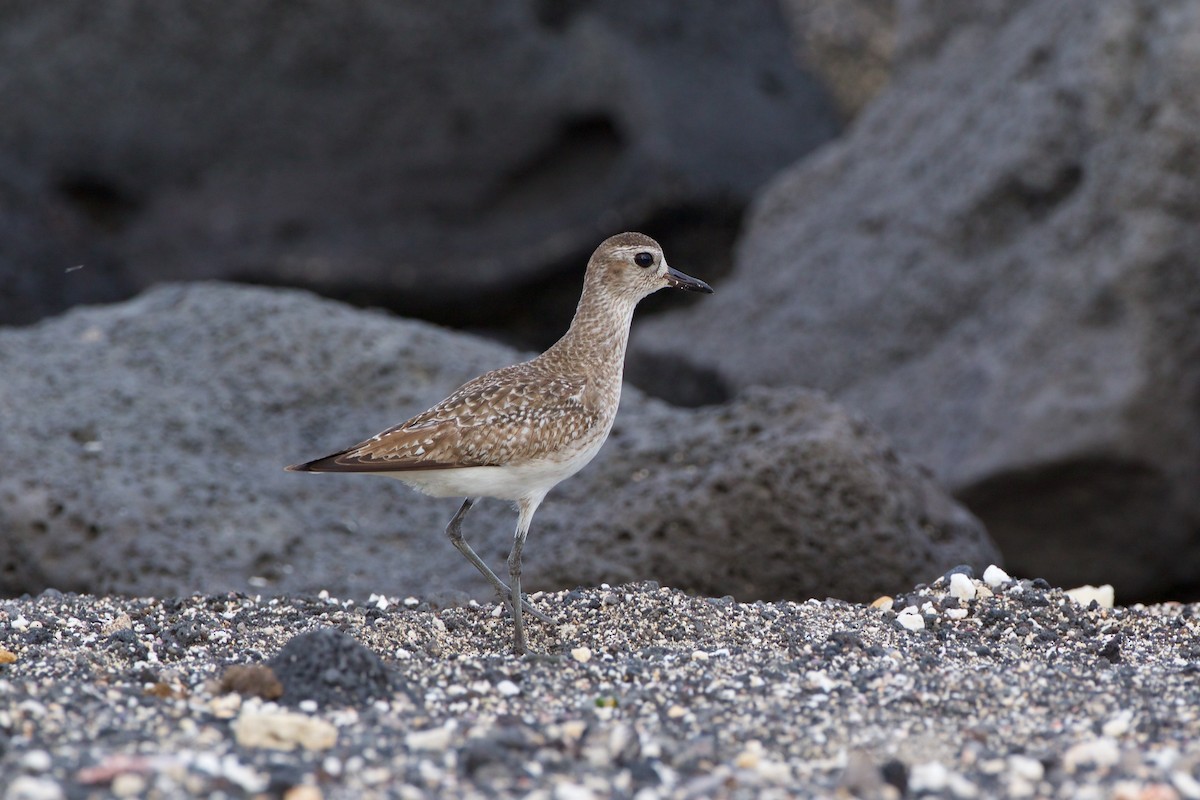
[643, 259]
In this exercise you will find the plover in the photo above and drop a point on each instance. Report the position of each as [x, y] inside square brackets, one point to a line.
[515, 432]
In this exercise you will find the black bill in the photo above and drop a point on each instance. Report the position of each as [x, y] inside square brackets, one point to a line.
[677, 280]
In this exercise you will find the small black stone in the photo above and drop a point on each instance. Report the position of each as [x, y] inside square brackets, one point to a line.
[961, 569]
[172, 605]
[842, 641]
[188, 632]
[283, 777]
[332, 668]
[125, 642]
[896, 774]
[38, 636]
[1111, 651]
[643, 773]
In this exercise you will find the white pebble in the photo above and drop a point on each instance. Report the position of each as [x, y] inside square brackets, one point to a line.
[1026, 768]
[750, 756]
[928, 777]
[508, 688]
[129, 784]
[962, 587]
[909, 619]
[1187, 786]
[284, 730]
[36, 761]
[1084, 595]
[820, 680]
[244, 776]
[993, 576]
[27, 787]
[1118, 725]
[1102, 752]
[432, 739]
[582, 654]
[573, 791]
[956, 613]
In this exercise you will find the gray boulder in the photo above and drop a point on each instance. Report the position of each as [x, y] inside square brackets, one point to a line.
[850, 44]
[146, 443]
[779, 494]
[999, 265]
[424, 156]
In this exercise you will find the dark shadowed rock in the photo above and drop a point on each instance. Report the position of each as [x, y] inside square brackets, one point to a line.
[422, 155]
[49, 257]
[151, 438]
[331, 668]
[1000, 266]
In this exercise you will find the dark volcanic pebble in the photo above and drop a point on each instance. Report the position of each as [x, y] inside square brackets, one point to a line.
[640, 692]
[330, 668]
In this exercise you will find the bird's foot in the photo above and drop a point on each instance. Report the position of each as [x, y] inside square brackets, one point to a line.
[526, 606]
[533, 612]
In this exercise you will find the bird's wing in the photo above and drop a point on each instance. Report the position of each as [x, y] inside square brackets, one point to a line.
[503, 417]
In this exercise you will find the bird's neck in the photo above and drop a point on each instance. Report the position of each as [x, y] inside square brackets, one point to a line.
[598, 335]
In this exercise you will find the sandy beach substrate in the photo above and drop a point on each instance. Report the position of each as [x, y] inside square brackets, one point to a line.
[1010, 690]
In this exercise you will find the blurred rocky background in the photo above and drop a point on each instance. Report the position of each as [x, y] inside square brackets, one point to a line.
[973, 226]
[451, 162]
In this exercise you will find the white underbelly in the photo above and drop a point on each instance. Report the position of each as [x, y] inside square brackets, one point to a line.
[510, 482]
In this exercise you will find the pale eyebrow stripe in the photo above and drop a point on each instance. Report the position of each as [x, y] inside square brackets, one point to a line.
[636, 249]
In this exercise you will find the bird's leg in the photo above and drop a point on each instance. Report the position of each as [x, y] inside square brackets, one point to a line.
[525, 511]
[454, 531]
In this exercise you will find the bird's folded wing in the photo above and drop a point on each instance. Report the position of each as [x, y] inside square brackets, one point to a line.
[494, 420]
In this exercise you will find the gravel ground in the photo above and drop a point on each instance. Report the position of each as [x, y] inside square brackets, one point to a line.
[1007, 690]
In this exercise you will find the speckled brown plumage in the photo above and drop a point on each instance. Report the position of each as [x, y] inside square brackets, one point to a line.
[511, 415]
[515, 432]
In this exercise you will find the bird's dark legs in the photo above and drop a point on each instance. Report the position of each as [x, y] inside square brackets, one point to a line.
[514, 576]
[525, 509]
[454, 531]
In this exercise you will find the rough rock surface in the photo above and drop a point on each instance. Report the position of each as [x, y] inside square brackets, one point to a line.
[638, 692]
[777, 494]
[420, 155]
[999, 265]
[151, 437]
[849, 43]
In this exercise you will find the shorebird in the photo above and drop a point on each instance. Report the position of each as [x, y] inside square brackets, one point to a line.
[516, 432]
